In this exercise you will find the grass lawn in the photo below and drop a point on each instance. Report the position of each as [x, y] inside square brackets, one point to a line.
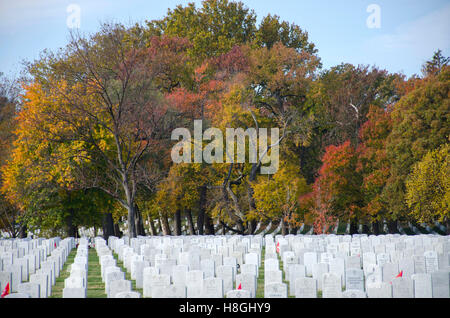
[57, 289]
[95, 286]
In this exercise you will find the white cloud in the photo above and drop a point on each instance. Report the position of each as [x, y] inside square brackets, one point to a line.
[416, 40]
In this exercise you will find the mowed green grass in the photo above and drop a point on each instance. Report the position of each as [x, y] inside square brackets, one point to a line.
[57, 289]
[95, 286]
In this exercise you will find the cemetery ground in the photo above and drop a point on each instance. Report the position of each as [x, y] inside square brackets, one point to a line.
[232, 266]
[95, 286]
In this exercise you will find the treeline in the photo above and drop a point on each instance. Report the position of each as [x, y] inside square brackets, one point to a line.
[88, 140]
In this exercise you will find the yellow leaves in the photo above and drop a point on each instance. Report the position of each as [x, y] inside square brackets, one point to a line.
[44, 151]
[278, 196]
[428, 186]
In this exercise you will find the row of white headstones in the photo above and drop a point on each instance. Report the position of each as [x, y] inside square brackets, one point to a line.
[75, 286]
[31, 267]
[208, 267]
[204, 267]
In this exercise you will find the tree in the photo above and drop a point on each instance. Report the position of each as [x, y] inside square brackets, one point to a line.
[341, 98]
[42, 185]
[337, 190]
[213, 29]
[107, 99]
[374, 165]
[276, 198]
[436, 64]
[272, 31]
[266, 91]
[10, 214]
[420, 124]
[428, 187]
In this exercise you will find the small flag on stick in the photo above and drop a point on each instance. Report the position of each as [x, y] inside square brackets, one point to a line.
[400, 275]
[5, 291]
[239, 287]
[278, 247]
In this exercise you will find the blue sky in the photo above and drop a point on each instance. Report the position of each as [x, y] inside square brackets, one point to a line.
[411, 30]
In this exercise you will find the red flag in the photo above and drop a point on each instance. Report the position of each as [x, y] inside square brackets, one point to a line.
[5, 291]
[55, 244]
[400, 275]
[278, 247]
[239, 287]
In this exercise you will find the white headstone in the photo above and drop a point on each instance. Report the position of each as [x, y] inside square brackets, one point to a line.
[354, 279]
[119, 286]
[194, 284]
[354, 293]
[317, 272]
[225, 272]
[238, 294]
[440, 283]
[69, 292]
[247, 282]
[213, 288]
[389, 271]
[331, 286]
[275, 290]
[31, 289]
[127, 294]
[431, 261]
[379, 290]
[422, 285]
[402, 288]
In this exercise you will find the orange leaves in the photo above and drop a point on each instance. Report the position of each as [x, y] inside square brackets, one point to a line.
[186, 102]
[336, 191]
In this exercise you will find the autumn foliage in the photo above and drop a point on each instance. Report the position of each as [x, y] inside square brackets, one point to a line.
[88, 143]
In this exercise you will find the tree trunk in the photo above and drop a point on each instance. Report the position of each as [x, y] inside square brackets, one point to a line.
[252, 227]
[252, 204]
[23, 231]
[353, 227]
[238, 221]
[71, 229]
[140, 230]
[209, 226]
[190, 222]
[177, 221]
[108, 226]
[152, 226]
[201, 210]
[159, 225]
[117, 232]
[283, 227]
[165, 225]
[392, 227]
[376, 228]
[365, 229]
[447, 226]
[131, 221]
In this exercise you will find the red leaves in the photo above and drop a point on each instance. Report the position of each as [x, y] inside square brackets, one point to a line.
[235, 61]
[336, 191]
